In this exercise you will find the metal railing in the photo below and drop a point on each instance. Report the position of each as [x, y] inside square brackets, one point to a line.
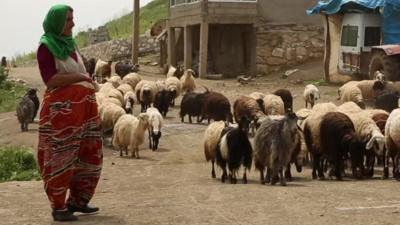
[184, 2]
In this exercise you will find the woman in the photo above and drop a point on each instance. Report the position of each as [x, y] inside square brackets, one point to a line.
[70, 147]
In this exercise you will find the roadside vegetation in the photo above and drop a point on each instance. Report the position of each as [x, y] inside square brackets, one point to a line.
[18, 163]
[10, 92]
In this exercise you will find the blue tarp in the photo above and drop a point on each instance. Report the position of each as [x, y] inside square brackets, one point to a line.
[390, 16]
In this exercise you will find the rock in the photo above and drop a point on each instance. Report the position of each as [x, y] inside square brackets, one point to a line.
[278, 52]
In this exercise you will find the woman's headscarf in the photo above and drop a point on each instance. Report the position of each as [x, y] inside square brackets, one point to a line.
[60, 46]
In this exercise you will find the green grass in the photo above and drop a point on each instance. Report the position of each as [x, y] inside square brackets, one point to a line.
[17, 163]
[10, 94]
[320, 82]
[149, 14]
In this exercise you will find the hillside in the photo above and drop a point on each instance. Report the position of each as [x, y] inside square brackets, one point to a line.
[122, 27]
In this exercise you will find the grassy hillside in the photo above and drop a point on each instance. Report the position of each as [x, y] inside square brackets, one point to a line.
[122, 27]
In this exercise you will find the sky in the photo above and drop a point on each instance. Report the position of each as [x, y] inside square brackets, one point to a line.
[21, 20]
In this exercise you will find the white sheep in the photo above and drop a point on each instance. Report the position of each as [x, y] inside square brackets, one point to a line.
[109, 115]
[155, 125]
[129, 133]
[257, 95]
[311, 94]
[365, 86]
[145, 93]
[354, 94]
[211, 139]
[392, 141]
[174, 87]
[132, 79]
[273, 105]
[115, 80]
[188, 81]
[124, 88]
[349, 107]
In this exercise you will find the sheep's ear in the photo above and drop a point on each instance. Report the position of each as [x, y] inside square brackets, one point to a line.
[370, 143]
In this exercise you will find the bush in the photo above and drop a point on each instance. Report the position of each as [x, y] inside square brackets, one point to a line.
[10, 95]
[3, 74]
[17, 163]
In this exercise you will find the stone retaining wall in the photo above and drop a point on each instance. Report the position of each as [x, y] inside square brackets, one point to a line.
[120, 49]
[280, 46]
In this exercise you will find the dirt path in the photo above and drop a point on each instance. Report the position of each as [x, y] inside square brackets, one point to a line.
[174, 186]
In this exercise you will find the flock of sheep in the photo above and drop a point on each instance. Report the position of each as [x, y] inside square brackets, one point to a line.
[267, 131]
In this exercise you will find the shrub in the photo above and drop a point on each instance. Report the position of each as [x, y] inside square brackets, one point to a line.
[17, 163]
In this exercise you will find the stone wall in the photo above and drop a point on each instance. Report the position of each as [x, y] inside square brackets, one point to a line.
[120, 49]
[280, 46]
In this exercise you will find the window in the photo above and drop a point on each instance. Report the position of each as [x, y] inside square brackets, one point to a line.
[349, 36]
[372, 36]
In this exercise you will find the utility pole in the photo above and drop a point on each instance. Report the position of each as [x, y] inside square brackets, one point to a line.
[135, 33]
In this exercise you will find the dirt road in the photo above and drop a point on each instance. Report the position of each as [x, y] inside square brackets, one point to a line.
[173, 185]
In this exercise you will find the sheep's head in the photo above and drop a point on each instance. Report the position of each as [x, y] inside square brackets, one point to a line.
[31, 91]
[155, 136]
[379, 76]
[144, 119]
[244, 124]
[376, 143]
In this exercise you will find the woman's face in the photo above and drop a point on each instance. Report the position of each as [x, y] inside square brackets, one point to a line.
[69, 24]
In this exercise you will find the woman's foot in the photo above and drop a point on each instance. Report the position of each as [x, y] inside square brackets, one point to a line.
[63, 215]
[82, 209]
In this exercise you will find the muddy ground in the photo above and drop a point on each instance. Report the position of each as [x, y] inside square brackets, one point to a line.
[173, 185]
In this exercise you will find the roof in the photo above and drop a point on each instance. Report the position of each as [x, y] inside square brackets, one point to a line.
[390, 14]
[336, 6]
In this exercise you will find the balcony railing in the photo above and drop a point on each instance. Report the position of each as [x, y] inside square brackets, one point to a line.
[184, 2]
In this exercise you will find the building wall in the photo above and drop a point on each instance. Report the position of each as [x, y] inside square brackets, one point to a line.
[287, 11]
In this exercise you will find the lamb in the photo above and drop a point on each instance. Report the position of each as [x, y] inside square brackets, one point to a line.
[273, 105]
[102, 70]
[187, 81]
[129, 133]
[155, 125]
[339, 138]
[311, 94]
[367, 88]
[287, 99]
[174, 87]
[217, 107]
[125, 67]
[132, 79]
[212, 137]
[258, 96]
[274, 144]
[234, 149]
[392, 140]
[32, 94]
[354, 94]
[25, 112]
[145, 93]
[248, 107]
[191, 105]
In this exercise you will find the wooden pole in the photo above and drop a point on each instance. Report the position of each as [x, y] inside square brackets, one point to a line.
[135, 33]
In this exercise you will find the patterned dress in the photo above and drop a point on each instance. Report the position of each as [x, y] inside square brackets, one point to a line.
[70, 147]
